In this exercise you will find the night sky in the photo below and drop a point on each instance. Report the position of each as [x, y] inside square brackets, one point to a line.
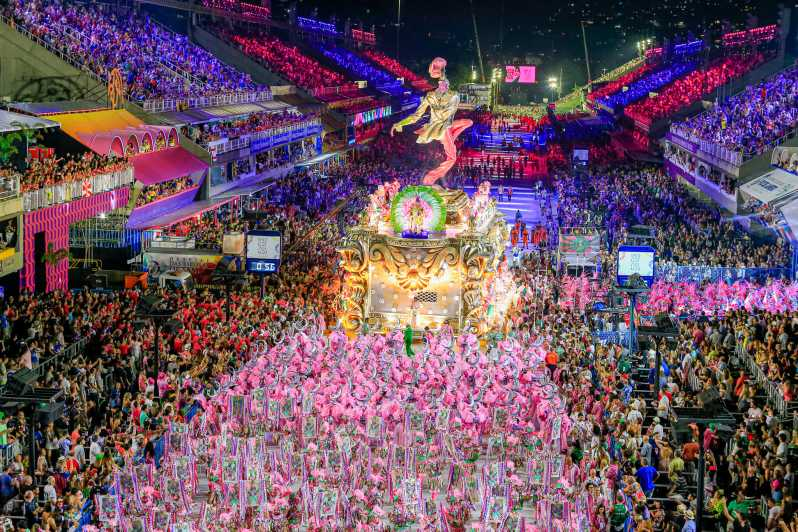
[544, 33]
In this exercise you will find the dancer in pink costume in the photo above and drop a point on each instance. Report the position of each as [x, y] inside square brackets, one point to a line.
[442, 126]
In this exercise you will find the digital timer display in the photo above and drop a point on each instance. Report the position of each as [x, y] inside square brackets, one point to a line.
[264, 249]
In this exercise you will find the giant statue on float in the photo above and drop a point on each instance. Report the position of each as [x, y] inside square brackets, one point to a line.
[442, 104]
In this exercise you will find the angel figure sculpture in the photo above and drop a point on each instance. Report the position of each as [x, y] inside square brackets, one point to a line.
[442, 104]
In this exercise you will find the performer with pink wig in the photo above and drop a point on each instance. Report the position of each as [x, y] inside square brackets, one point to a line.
[442, 104]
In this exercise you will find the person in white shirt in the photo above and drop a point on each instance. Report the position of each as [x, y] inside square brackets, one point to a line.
[80, 453]
[664, 406]
[781, 451]
[659, 432]
[50, 494]
[774, 514]
[634, 416]
[94, 450]
[754, 414]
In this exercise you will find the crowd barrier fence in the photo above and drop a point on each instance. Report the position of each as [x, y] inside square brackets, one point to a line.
[217, 100]
[73, 190]
[677, 273]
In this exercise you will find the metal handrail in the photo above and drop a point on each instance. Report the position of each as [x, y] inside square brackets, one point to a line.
[73, 190]
[218, 147]
[733, 156]
[151, 106]
[620, 70]
[162, 105]
[69, 352]
[338, 89]
[775, 157]
[737, 157]
[771, 388]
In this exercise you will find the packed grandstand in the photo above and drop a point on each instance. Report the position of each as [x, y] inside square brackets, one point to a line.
[162, 367]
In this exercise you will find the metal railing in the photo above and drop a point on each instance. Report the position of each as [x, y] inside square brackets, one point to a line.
[611, 337]
[151, 106]
[294, 132]
[736, 157]
[678, 273]
[692, 380]
[620, 70]
[67, 354]
[73, 190]
[761, 379]
[328, 91]
[772, 389]
[164, 105]
[31, 375]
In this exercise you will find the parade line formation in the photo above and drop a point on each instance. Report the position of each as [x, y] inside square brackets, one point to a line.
[442, 342]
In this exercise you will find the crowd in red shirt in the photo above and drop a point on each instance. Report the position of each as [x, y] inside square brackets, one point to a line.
[690, 89]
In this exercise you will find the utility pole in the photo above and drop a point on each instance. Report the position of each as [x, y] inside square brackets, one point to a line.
[501, 27]
[587, 57]
[476, 38]
[398, 25]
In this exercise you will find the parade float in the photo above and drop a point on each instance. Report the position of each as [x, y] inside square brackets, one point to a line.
[427, 257]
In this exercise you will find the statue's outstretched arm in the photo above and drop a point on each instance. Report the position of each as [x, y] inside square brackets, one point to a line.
[412, 119]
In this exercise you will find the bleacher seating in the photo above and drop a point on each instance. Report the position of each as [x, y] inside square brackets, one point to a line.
[690, 88]
[611, 87]
[289, 62]
[154, 62]
[398, 69]
[749, 123]
[360, 68]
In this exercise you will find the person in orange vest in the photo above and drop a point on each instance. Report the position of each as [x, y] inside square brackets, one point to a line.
[525, 236]
[509, 193]
[514, 236]
[536, 235]
[551, 361]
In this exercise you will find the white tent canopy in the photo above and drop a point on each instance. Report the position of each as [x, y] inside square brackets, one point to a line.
[15, 122]
[771, 186]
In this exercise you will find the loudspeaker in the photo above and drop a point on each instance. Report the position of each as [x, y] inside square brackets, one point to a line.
[20, 383]
[97, 280]
[149, 302]
[50, 412]
[711, 400]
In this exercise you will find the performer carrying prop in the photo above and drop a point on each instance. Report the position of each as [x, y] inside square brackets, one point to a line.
[442, 104]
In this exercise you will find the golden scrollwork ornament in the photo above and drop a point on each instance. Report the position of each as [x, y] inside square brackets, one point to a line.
[116, 89]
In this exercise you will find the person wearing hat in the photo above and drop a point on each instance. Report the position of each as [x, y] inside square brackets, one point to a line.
[689, 523]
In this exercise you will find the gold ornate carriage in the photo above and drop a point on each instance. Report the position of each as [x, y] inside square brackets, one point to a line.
[445, 278]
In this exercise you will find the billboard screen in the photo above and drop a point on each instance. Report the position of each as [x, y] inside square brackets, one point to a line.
[519, 74]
